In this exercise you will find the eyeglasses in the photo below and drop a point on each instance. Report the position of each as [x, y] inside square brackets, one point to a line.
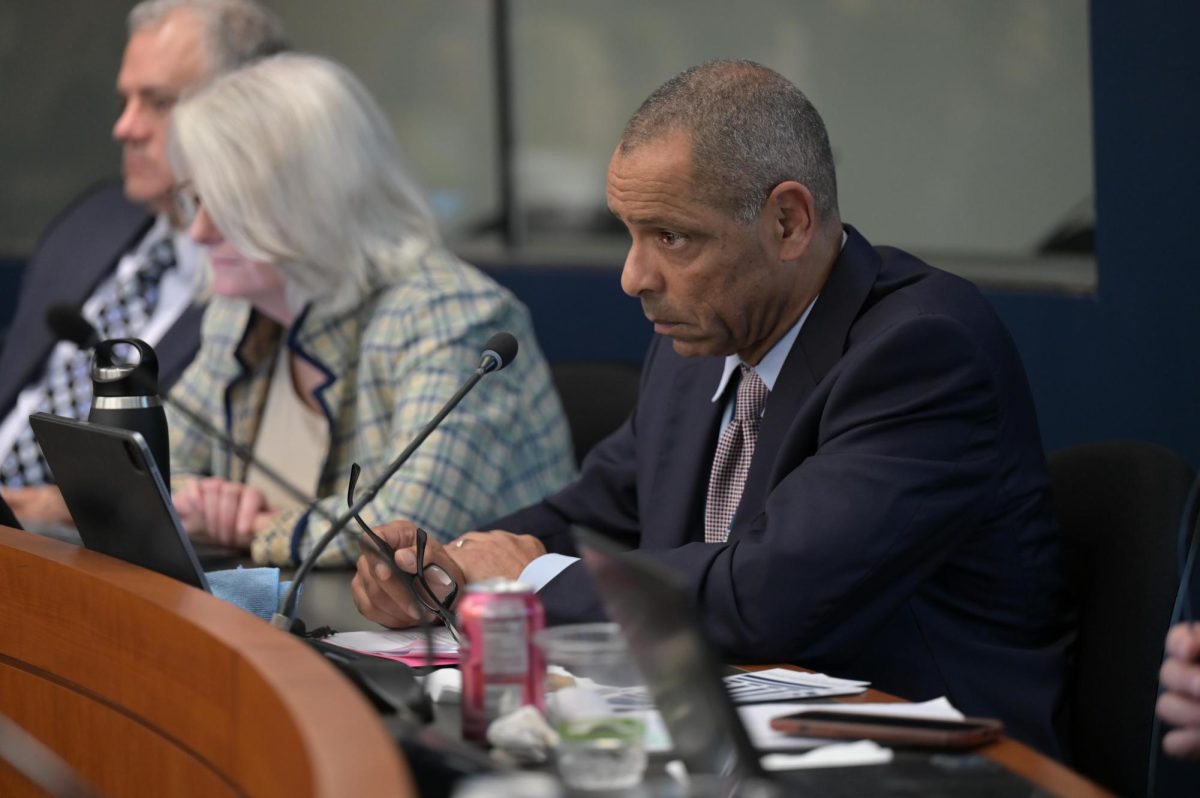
[186, 201]
[417, 583]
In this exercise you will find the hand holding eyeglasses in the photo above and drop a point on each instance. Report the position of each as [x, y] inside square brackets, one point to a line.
[382, 597]
[421, 587]
[403, 571]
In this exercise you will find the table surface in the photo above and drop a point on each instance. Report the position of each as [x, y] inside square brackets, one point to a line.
[326, 601]
[1017, 757]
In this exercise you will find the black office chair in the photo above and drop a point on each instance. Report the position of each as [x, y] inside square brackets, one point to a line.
[597, 395]
[1119, 504]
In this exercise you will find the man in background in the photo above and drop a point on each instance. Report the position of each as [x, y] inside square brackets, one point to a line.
[834, 444]
[117, 250]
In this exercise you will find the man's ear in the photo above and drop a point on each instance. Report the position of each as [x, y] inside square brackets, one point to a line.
[793, 218]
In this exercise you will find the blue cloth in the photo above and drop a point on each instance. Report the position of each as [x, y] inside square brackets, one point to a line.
[256, 590]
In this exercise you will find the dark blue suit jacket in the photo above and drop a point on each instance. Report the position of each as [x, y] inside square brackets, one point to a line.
[79, 249]
[896, 523]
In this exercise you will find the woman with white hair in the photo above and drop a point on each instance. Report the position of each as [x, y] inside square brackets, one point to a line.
[338, 327]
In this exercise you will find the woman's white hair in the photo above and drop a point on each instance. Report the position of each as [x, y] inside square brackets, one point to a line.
[295, 164]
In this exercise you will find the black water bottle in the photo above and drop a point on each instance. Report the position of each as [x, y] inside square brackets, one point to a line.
[125, 395]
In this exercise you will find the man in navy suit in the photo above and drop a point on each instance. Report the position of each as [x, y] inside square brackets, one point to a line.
[893, 521]
[110, 232]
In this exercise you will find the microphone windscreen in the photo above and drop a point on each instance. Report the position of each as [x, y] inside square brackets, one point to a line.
[67, 323]
[502, 347]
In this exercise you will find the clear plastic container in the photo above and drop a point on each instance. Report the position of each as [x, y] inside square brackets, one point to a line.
[595, 701]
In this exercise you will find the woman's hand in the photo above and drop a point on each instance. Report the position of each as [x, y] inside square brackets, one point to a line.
[227, 512]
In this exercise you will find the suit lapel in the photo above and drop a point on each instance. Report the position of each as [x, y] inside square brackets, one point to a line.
[246, 393]
[817, 349]
[823, 339]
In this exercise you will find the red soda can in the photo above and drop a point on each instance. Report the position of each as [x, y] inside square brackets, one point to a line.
[502, 669]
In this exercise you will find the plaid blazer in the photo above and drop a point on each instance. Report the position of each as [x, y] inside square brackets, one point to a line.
[390, 364]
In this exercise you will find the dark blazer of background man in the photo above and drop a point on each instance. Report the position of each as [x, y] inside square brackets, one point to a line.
[174, 46]
[895, 523]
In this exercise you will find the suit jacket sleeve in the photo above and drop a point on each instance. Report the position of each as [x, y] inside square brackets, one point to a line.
[901, 471]
[604, 498]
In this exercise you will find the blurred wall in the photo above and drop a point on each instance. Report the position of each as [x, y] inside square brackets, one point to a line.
[958, 127]
[1117, 361]
[1124, 363]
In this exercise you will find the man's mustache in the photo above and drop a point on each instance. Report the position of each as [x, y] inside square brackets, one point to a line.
[656, 311]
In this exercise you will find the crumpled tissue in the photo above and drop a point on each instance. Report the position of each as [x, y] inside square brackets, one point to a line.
[522, 736]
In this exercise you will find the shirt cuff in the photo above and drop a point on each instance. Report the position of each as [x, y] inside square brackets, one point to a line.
[543, 569]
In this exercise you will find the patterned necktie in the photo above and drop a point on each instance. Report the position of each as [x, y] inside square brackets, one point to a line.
[732, 460]
[125, 304]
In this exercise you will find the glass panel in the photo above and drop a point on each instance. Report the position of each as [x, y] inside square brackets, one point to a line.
[427, 62]
[961, 129]
[58, 110]
[958, 127]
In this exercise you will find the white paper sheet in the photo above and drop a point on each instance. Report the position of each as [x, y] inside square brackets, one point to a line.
[782, 684]
[396, 642]
[833, 755]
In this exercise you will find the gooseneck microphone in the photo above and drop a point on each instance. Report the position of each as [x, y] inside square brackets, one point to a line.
[498, 352]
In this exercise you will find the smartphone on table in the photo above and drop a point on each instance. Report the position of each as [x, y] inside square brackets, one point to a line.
[890, 729]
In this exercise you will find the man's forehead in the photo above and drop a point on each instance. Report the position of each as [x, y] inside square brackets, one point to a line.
[652, 183]
[671, 150]
[169, 54]
[669, 155]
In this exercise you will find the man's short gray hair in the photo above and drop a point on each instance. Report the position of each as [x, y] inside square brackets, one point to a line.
[296, 165]
[750, 130]
[236, 32]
